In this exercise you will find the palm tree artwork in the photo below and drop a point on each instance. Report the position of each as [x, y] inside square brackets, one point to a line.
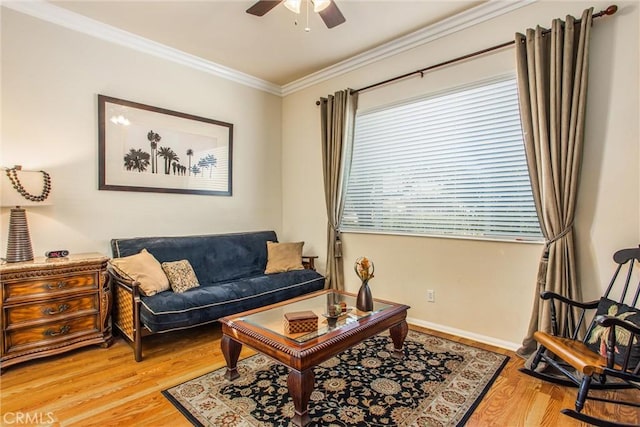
[136, 160]
[189, 155]
[208, 162]
[178, 169]
[154, 138]
[600, 333]
[169, 156]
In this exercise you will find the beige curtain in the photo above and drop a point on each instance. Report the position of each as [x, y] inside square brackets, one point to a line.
[552, 83]
[337, 118]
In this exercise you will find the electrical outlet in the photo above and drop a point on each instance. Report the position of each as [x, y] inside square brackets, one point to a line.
[431, 295]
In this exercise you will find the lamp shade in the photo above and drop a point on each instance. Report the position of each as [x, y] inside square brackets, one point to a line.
[21, 188]
[24, 188]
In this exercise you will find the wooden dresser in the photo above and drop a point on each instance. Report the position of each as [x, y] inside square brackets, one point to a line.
[50, 306]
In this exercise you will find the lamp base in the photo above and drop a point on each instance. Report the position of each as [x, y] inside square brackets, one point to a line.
[19, 245]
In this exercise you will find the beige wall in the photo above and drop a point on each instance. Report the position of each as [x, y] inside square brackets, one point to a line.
[484, 289]
[51, 77]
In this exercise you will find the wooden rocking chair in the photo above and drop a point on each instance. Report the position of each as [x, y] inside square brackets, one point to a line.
[609, 355]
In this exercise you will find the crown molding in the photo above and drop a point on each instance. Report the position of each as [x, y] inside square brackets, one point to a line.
[57, 15]
[459, 22]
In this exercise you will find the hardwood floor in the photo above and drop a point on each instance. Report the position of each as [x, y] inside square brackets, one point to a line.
[106, 387]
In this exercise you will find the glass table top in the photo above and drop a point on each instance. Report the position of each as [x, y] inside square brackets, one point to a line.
[273, 318]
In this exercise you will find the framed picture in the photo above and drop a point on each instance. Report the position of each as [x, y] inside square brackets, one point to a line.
[144, 148]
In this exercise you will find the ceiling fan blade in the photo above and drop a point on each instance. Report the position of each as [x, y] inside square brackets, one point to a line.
[263, 6]
[332, 16]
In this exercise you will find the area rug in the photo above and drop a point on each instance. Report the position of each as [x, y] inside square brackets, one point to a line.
[437, 383]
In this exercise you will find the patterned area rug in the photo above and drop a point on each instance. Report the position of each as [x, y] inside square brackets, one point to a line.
[437, 383]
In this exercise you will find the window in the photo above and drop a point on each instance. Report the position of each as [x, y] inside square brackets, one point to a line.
[450, 164]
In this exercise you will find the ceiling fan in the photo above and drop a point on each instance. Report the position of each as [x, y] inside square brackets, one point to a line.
[327, 9]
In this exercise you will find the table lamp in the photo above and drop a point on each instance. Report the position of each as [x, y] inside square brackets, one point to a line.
[22, 188]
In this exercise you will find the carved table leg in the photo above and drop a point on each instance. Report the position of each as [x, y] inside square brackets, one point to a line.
[300, 387]
[398, 334]
[231, 351]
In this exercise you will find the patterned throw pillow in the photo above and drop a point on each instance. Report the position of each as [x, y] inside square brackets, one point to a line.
[598, 336]
[181, 275]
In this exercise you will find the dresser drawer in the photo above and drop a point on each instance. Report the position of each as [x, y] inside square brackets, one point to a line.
[51, 333]
[48, 287]
[50, 306]
[45, 311]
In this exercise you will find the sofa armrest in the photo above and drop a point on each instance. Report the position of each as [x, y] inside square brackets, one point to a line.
[309, 262]
[126, 316]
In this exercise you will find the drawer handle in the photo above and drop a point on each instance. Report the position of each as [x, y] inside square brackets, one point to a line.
[61, 285]
[52, 333]
[61, 308]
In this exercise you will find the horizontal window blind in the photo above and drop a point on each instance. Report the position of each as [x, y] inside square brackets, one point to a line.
[451, 164]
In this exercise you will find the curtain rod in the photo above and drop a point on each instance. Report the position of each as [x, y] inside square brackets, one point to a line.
[608, 11]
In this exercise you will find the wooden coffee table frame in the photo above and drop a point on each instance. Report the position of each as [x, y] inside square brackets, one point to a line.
[302, 357]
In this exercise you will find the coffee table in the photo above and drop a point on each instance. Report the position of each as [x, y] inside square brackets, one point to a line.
[263, 330]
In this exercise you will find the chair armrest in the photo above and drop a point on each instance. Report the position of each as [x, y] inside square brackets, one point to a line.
[570, 327]
[546, 295]
[608, 321]
[130, 285]
[308, 261]
[126, 316]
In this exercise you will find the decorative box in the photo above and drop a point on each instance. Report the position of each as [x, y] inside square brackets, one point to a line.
[300, 321]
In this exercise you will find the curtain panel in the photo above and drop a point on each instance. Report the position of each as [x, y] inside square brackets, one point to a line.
[552, 71]
[337, 114]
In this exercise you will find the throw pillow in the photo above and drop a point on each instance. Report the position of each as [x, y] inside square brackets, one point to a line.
[181, 275]
[145, 269]
[283, 257]
[598, 336]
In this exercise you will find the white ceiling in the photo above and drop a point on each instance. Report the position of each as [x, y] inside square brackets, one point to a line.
[272, 48]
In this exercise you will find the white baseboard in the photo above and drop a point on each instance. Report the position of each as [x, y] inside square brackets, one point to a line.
[465, 334]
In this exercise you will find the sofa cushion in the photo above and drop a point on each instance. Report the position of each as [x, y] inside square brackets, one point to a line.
[214, 258]
[169, 311]
[143, 268]
[283, 257]
[181, 275]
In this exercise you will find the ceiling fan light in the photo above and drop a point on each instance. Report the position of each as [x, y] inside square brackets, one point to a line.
[319, 5]
[293, 5]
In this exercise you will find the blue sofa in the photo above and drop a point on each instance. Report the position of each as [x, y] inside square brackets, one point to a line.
[230, 269]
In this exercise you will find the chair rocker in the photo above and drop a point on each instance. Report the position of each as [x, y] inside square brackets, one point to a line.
[608, 357]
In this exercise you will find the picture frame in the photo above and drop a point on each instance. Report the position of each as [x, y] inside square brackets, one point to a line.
[151, 149]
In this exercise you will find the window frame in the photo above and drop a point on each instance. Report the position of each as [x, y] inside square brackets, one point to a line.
[447, 233]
